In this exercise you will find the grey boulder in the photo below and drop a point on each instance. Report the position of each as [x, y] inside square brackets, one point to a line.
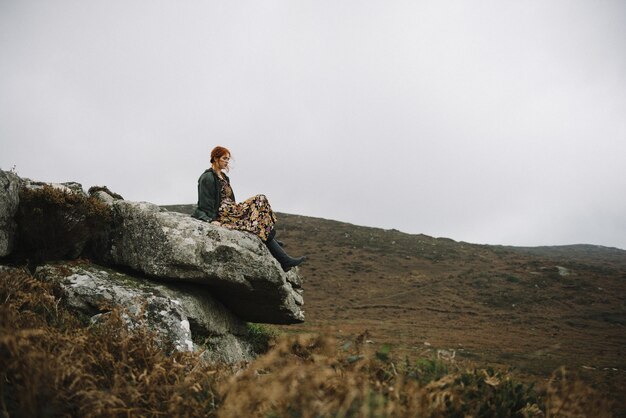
[236, 266]
[9, 202]
[183, 317]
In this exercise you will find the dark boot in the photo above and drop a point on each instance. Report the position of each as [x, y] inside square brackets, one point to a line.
[272, 235]
[279, 254]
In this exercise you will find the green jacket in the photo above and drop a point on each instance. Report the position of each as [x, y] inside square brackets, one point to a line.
[209, 196]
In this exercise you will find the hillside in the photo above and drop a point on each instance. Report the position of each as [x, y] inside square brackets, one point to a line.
[530, 309]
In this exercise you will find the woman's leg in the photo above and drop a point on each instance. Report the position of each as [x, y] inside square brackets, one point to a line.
[279, 254]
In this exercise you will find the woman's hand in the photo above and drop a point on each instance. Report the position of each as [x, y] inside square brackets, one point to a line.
[216, 223]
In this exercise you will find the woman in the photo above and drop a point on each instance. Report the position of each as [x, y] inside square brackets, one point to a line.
[216, 204]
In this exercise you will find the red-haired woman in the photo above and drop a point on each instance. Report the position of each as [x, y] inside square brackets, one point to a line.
[216, 204]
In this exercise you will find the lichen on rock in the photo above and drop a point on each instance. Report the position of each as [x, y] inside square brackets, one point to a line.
[235, 265]
[9, 201]
[168, 310]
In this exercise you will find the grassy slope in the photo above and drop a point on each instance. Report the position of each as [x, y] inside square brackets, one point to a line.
[502, 306]
[53, 365]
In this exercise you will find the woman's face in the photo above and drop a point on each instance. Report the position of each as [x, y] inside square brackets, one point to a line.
[223, 161]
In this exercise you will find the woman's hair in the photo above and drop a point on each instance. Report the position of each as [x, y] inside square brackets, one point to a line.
[217, 153]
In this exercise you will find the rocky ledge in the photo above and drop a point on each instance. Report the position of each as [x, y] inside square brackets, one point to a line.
[199, 281]
[235, 265]
[183, 318]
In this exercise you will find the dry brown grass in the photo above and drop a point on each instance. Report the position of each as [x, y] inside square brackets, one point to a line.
[568, 396]
[306, 376]
[52, 365]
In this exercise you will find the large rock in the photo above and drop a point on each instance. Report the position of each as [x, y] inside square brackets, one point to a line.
[67, 187]
[235, 265]
[187, 318]
[9, 201]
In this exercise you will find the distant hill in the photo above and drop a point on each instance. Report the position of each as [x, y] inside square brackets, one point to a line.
[577, 253]
[529, 308]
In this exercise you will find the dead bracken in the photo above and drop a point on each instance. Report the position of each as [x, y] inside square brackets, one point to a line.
[51, 364]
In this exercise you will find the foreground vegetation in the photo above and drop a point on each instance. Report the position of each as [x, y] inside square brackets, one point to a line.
[51, 364]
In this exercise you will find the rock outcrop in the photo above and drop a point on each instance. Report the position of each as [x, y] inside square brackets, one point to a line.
[9, 201]
[235, 265]
[182, 317]
[68, 187]
[192, 283]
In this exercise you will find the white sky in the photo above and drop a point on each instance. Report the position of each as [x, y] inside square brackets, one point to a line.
[500, 122]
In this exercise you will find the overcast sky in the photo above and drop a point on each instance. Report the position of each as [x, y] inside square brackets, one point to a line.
[499, 122]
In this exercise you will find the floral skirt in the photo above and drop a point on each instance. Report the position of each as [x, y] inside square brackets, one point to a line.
[253, 215]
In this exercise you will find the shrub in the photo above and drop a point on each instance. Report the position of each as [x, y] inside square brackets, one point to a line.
[56, 224]
[261, 336]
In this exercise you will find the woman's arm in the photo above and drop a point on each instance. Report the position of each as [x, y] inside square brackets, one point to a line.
[207, 198]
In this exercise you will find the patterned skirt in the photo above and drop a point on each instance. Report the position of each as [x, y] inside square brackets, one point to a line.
[253, 215]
